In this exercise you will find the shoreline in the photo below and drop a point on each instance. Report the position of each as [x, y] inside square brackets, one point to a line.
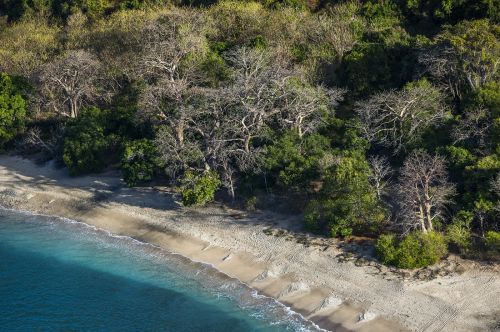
[212, 270]
[309, 278]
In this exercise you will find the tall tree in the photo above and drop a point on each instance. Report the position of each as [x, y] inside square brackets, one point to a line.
[398, 119]
[423, 191]
[304, 107]
[172, 44]
[465, 56]
[381, 172]
[70, 82]
[347, 201]
[257, 87]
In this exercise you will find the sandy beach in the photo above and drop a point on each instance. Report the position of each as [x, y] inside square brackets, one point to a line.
[338, 285]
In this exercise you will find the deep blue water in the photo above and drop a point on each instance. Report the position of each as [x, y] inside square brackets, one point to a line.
[59, 275]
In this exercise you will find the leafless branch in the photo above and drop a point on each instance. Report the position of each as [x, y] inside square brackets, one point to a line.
[423, 191]
[398, 118]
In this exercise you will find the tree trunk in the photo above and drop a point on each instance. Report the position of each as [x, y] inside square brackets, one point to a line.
[428, 216]
[179, 131]
[422, 220]
[74, 108]
[247, 143]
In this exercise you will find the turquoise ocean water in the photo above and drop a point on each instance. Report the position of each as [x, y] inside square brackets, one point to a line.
[61, 275]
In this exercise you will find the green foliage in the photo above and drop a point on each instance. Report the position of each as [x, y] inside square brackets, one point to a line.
[86, 148]
[366, 46]
[26, 45]
[140, 161]
[294, 162]
[476, 46]
[237, 22]
[451, 10]
[132, 4]
[62, 9]
[12, 109]
[387, 248]
[413, 251]
[251, 203]
[458, 234]
[489, 96]
[492, 241]
[215, 69]
[96, 139]
[347, 202]
[279, 4]
[199, 189]
[381, 14]
[458, 157]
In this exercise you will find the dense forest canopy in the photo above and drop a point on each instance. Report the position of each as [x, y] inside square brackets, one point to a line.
[374, 118]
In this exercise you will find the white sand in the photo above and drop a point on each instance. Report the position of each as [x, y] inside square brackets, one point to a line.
[338, 290]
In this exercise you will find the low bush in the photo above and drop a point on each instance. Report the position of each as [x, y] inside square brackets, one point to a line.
[492, 241]
[458, 234]
[199, 189]
[12, 109]
[386, 248]
[86, 147]
[413, 251]
[251, 203]
[140, 161]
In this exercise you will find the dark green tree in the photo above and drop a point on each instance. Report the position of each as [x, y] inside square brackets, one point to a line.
[347, 201]
[12, 109]
[140, 161]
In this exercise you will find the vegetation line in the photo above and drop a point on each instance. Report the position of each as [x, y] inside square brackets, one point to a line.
[372, 118]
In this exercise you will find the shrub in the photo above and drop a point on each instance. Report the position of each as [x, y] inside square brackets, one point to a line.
[12, 109]
[386, 248]
[414, 250]
[86, 148]
[492, 241]
[85, 152]
[139, 162]
[292, 163]
[458, 233]
[199, 189]
[251, 203]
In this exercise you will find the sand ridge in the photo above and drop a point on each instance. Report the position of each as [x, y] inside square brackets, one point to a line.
[322, 279]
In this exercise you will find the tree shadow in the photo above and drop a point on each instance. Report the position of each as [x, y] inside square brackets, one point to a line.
[107, 187]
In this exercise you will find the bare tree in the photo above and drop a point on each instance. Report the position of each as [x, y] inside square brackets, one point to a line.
[208, 138]
[169, 102]
[466, 56]
[304, 106]
[473, 127]
[170, 44]
[338, 28]
[256, 89]
[34, 140]
[169, 41]
[380, 175]
[398, 118]
[214, 128]
[177, 157]
[423, 191]
[443, 65]
[71, 82]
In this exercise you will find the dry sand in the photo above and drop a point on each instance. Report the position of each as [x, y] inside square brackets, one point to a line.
[336, 284]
